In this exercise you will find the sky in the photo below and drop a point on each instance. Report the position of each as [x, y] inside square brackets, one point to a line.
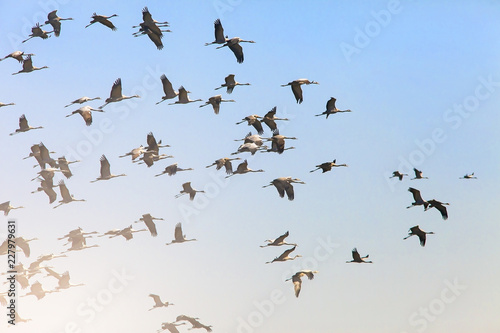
[423, 82]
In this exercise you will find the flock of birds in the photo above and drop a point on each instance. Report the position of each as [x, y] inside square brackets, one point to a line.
[149, 153]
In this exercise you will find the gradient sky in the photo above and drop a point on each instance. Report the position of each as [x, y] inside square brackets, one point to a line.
[423, 82]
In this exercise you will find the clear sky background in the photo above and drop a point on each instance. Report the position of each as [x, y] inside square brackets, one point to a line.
[423, 82]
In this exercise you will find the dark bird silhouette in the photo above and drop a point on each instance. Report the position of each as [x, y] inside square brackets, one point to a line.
[357, 258]
[418, 174]
[297, 90]
[187, 189]
[327, 166]
[331, 108]
[416, 231]
[439, 206]
[417, 198]
[104, 20]
[284, 185]
[219, 33]
[398, 175]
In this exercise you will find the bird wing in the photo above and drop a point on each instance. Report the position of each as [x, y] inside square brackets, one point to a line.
[183, 95]
[116, 90]
[155, 39]
[178, 232]
[238, 51]
[187, 187]
[52, 15]
[355, 255]
[416, 194]
[242, 167]
[230, 80]
[309, 274]
[23, 123]
[286, 253]
[258, 126]
[271, 113]
[51, 193]
[105, 167]
[167, 86]
[87, 117]
[297, 283]
[442, 210]
[64, 190]
[146, 15]
[289, 191]
[228, 166]
[24, 246]
[270, 123]
[330, 105]
[28, 63]
[151, 141]
[219, 32]
[156, 299]
[418, 173]
[281, 189]
[281, 238]
[297, 92]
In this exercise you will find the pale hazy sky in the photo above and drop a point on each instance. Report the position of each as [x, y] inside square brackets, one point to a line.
[423, 82]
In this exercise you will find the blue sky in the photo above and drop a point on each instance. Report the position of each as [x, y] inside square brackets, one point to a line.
[423, 82]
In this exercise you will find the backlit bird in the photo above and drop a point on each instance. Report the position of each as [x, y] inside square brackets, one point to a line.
[6, 104]
[230, 83]
[63, 279]
[36, 31]
[158, 302]
[278, 241]
[63, 165]
[6, 207]
[416, 231]
[417, 198]
[439, 206]
[116, 94]
[285, 256]
[135, 153]
[469, 176]
[297, 281]
[105, 170]
[331, 108]
[398, 175]
[82, 100]
[327, 166]
[252, 138]
[28, 66]
[86, 113]
[242, 169]
[47, 187]
[24, 126]
[418, 174]
[171, 327]
[296, 89]
[219, 33]
[184, 98]
[194, 322]
[18, 55]
[284, 185]
[187, 189]
[215, 102]
[167, 89]
[249, 147]
[148, 219]
[172, 170]
[224, 162]
[104, 20]
[270, 119]
[66, 196]
[278, 142]
[37, 290]
[179, 237]
[357, 258]
[234, 45]
[55, 21]
[253, 120]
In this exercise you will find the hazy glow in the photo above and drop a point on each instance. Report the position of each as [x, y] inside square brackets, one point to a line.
[423, 83]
